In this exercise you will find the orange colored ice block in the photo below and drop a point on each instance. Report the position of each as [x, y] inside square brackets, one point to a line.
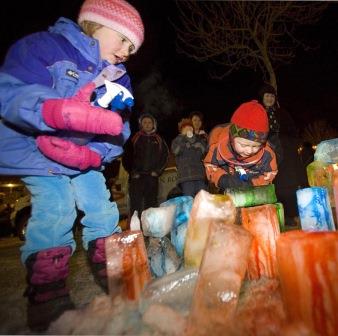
[308, 268]
[262, 222]
[127, 264]
[219, 280]
[205, 209]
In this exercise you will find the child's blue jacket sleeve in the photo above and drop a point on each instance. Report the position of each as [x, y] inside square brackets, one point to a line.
[21, 103]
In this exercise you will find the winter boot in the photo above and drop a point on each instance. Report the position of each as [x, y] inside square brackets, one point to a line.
[47, 294]
[97, 261]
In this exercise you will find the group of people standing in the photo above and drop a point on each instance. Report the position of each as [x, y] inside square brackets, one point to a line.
[246, 151]
[239, 153]
[146, 156]
[58, 137]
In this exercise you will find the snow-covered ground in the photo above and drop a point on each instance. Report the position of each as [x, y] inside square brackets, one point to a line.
[12, 285]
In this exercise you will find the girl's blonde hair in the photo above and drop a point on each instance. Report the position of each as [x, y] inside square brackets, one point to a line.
[89, 27]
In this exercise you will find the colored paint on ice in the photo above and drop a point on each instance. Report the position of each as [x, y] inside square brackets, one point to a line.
[308, 269]
[262, 222]
[205, 209]
[252, 196]
[127, 264]
[314, 209]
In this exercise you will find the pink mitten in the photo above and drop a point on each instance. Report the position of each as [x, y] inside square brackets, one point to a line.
[77, 114]
[67, 153]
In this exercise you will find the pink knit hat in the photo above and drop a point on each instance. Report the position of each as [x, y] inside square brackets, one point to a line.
[118, 15]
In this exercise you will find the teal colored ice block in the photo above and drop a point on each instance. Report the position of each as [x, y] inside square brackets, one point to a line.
[252, 196]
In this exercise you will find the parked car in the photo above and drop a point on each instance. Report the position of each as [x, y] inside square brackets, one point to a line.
[5, 223]
[20, 215]
[11, 189]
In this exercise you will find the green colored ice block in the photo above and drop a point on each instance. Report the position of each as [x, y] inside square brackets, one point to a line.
[252, 196]
[280, 214]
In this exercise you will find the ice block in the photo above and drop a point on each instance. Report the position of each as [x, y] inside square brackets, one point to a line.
[262, 222]
[335, 192]
[182, 214]
[314, 209]
[327, 151]
[158, 222]
[280, 214]
[205, 209]
[320, 174]
[251, 196]
[219, 280]
[127, 264]
[174, 290]
[162, 257]
[308, 268]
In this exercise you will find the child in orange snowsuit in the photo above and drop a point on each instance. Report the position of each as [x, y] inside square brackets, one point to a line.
[239, 154]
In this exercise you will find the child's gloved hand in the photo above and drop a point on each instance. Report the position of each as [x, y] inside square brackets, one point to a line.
[77, 114]
[67, 153]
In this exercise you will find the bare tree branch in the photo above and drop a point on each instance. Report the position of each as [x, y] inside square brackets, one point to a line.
[234, 34]
[318, 131]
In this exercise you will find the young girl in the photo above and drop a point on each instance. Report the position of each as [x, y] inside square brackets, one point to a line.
[238, 152]
[58, 140]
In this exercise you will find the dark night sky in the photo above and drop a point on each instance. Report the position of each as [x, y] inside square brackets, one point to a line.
[308, 88]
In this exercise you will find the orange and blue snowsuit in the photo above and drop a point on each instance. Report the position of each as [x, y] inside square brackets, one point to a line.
[226, 169]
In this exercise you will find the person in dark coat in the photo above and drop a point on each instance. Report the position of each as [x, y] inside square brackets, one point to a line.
[145, 158]
[268, 98]
[284, 139]
[189, 149]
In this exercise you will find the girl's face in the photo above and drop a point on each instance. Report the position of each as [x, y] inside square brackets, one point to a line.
[246, 148]
[269, 99]
[114, 47]
[196, 122]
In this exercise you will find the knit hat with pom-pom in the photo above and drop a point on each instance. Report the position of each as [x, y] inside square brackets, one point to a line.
[118, 15]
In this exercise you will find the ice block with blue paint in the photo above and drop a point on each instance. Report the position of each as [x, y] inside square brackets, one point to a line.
[162, 257]
[179, 229]
[314, 209]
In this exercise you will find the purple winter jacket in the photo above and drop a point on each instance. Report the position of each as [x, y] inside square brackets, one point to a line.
[51, 64]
